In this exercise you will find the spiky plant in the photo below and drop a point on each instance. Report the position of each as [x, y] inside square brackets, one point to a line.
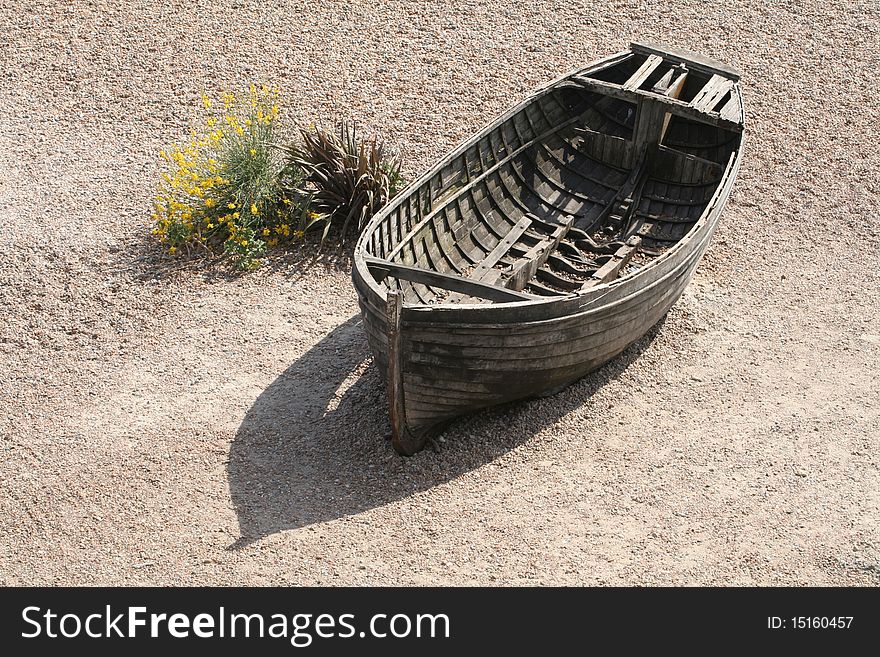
[346, 178]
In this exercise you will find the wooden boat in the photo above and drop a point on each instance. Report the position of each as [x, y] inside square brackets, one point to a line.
[550, 241]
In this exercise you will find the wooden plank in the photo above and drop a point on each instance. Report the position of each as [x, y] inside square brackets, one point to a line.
[610, 269]
[731, 110]
[536, 256]
[711, 93]
[638, 78]
[485, 267]
[672, 105]
[711, 102]
[706, 89]
[384, 268]
[663, 83]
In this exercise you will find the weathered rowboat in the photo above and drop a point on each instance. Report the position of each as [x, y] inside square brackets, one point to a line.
[550, 241]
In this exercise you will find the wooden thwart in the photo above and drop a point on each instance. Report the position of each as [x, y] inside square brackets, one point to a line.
[381, 269]
[672, 105]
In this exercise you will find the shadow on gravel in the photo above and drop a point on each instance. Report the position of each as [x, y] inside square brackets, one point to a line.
[145, 259]
[314, 445]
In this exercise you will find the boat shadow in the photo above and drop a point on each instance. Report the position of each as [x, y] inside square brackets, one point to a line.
[314, 446]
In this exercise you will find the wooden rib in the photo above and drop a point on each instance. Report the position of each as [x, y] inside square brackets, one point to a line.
[610, 269]
[556, 201]
[637, 79]
[547, 275]
[572, 190]
[516, 198]
[543, 290]
[550, 205]
[453, 229]
[384, 268]
[583, 170]
[517, 205]
[482, 177]
[498, 215]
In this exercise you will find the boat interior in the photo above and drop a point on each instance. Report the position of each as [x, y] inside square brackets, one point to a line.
[590, 181]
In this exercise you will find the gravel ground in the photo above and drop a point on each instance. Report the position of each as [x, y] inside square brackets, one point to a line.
[185, 427]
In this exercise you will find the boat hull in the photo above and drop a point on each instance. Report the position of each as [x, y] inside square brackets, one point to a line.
[446, 360]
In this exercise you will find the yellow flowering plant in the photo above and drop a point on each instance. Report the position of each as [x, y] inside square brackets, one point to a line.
[224, 189]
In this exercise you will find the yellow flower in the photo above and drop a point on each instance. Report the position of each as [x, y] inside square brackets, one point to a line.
[286, 201]
[254, 209]
[231, 206]
[266, 231]
[211, 121]
[172, 250]
[273, 242]
[210, 226]
[299, 233]
[206, 101]
[210, 203]
[253, 152]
